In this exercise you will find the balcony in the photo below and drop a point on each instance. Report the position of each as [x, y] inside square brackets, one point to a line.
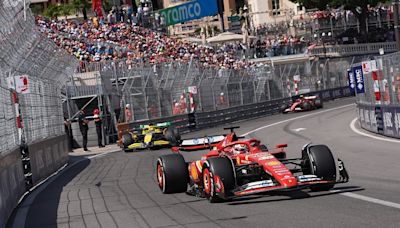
[352, 49]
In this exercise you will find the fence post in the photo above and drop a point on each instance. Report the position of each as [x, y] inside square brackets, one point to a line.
[241, 91]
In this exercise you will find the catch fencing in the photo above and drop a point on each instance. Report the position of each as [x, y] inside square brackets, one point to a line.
[175, 88]
[379, 100]
[32, 137]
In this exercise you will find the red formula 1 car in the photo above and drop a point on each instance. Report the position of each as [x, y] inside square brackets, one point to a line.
[303, 103]
[237, 167]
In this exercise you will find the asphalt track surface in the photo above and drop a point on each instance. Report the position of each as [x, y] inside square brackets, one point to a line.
[120, 190]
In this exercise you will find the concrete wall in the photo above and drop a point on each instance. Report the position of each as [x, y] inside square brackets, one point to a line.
[48, 156]
[12, 183]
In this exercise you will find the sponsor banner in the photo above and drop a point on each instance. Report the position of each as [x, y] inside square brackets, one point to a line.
[359, 76]
[368, 66]
[383, 120]
[352, 80]
[97, 7]
[189, 11]
[19, 83]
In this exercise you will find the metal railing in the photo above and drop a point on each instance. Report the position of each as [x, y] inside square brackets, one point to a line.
[353, 49]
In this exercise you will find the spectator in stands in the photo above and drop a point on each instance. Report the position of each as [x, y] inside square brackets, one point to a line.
[84, 127]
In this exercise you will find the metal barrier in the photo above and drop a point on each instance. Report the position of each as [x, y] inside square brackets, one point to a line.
[202, 120]
[32, 71]
[353, 49]
[380, 119]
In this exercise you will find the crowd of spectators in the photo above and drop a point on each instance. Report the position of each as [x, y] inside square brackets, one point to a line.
[97, 40]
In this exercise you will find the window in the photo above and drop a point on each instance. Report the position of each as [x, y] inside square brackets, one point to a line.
[276, 7]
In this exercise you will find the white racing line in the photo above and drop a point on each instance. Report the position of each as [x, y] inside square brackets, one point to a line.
[27, 199]
[352, 125]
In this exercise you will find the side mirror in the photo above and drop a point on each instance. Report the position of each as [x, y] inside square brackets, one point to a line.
[281, 146]
[175, 149]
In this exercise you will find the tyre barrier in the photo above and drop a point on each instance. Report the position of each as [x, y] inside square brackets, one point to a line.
[380, 119]
[45, 157]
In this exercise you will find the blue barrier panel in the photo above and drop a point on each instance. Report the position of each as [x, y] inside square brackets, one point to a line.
[381, 119]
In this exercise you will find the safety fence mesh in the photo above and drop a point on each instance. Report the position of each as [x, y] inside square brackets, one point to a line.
[26, 53]
[170, 88]
[381, 80]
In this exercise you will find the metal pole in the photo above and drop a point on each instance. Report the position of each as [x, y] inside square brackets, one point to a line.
[222, 22]
[24, 10]
[396, 22]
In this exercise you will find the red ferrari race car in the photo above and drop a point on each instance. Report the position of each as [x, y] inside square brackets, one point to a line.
[303, 103]
[238, 167]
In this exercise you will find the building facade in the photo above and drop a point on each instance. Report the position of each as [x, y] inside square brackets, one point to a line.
[273, 11]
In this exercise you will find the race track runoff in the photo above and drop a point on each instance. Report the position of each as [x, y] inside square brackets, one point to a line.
[120, 190]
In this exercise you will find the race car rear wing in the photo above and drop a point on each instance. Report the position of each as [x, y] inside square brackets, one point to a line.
[206, 142]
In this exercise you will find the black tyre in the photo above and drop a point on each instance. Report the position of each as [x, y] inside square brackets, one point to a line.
[284, 107]
[173, 136]
[172, 173]
[318, 103]
[127, 140]
[306, 106]
[318, 160]
[223, 168]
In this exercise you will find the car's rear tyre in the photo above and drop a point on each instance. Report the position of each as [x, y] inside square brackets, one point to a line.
[173, 136]
[318, 103]
[306, 106]
[127, 140]
[222, 168]
[318, 160]
[172, 173]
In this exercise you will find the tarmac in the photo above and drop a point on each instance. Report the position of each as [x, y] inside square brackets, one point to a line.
[95, 150]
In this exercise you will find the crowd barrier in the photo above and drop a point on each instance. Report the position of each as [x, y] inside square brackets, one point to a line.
[380, 119]
[12, 183]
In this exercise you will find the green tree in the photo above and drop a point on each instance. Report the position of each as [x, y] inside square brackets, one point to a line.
[81, 5]
[37, 9]
[66, 9]
[358, 7]
[53, 11]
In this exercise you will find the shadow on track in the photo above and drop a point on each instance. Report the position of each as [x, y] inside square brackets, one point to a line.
[44, 208]
[292, 195]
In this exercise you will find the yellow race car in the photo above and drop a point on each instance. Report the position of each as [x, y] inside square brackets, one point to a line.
[151, 137]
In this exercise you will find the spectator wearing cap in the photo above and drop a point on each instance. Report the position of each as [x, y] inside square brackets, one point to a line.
[98, 123]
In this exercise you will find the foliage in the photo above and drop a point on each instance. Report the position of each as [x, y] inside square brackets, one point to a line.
[37, 9]
[52, 11]
[81, 5]
[66, 9]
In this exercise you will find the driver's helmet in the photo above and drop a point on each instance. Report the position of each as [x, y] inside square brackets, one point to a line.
[239, 149]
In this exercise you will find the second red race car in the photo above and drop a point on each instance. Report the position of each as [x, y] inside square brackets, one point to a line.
[303, 103]
[236, 167]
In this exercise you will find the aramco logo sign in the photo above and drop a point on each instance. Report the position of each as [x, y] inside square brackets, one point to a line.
[189, 11]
